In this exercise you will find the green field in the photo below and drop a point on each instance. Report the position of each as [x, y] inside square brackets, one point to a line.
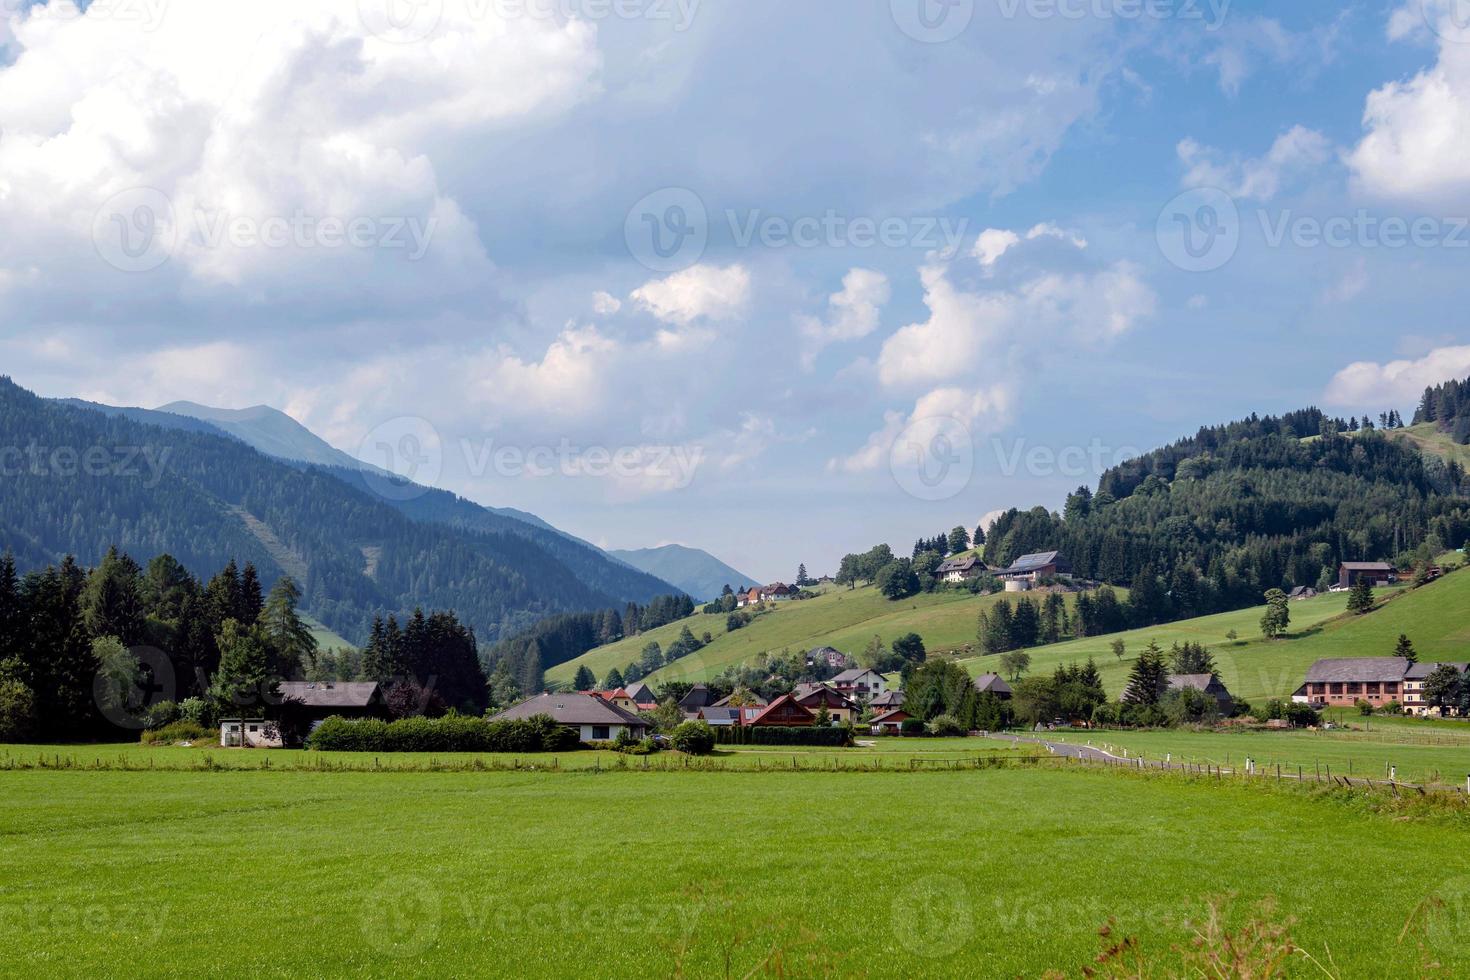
[1428, 438]
[325, 638]
[1008, 872]
[1421, 754]
[842, 618]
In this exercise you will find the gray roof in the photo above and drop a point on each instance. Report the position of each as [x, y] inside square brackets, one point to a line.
[1200, 682]
[720, 715]
[1419, 672]
[331, 694]
[1367, 566]
[853, 675]
[1030, 563]
[697, 698]
[572, 709]
[1357, 669]
[961, 564]
[993, 684]
[641, 693]
[888, 699]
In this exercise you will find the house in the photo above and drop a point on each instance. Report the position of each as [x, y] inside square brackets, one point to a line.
[890, 722]
[1379, 573]
[1303, 592]
[1414, 678]
[1032, 569]
[697, 697]
[249, 733]
[860, 683]
[887, 701]
[784, 712]
[728, 716]
[643, 696]
[620, 697]
[829, 657]
[749, 597]
[756, 701]
[840, 708]
[594, 719]
[994, 684]
[1342, 682]
[1207, 684]
[958, 570]
[778, 592]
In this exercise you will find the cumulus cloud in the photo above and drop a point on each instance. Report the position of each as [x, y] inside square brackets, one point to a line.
[1416, 145]
[977, 411]
[968, 329]
[1294, 154]
[1371, 385]
[994, 243]
[605, 304]
[852, 314]
[704, 292]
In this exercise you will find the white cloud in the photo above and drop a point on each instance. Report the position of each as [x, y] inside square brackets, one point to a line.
[966, 331]
[1238, 46]
[605, 304]
[704, 292]
[1376, 386]
[994, 243]
[852, 315]
[977, 410]
[1416, 145]
[1294, 154]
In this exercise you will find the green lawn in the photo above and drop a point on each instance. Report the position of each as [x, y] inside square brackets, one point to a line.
[326, 639]
[842, 618]
[991, 874]
[1428, 756]
[1436, 618]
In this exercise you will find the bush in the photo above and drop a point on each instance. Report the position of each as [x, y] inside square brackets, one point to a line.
[195, 710]
[947, 726]
[178, 731]
[836, 736]
[694, 738]
[911, 726]
[1364, 707]
[161, 714]
[1300, 715]
[452, 733]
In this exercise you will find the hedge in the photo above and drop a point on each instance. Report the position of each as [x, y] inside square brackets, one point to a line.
[834, 737]
[450, 734]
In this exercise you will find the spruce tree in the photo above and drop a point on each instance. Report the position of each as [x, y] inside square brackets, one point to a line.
[1405, 649]
[291, 638]
[1149, 678]
[1360, 600]
[584, 680]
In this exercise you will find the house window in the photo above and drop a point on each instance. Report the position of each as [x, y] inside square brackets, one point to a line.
[600, 733]
[254, 728]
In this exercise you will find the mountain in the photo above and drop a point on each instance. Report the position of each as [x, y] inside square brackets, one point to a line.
[78, 480]
[696, 572]
[276, 434]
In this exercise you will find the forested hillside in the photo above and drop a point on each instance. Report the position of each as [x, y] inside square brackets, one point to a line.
[1217, 519]
[1448, 407]
[77, 481]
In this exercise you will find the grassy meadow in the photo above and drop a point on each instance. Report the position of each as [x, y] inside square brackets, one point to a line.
[994, 873]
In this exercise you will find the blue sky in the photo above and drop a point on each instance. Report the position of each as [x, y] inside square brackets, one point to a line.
[913, 269]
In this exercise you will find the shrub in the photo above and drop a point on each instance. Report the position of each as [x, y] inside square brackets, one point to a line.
[452, 733]
[178, 731]
[694, 738]
[161, 714]
[911, 726]
[1364, 707]
[1300, 715]
[1106, 715]
[947, 726]
[195, 710]
[17, 710]
[836, 736]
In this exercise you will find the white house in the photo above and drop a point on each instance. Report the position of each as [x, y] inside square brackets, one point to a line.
[594, 719]
[249, 733]
[860, 683]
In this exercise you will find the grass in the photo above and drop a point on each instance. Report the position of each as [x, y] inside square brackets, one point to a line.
[325, 638]
[1426, 756]
[1436, 617]
[994, 873]
[1427, 438]
[843, 618]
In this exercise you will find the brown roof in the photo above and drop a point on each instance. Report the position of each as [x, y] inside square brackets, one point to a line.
[785, 703]
[331, 694]
[572, 709]
[891, 717]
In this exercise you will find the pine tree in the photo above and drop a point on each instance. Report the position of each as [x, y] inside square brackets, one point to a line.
[584, 680]
[245, 684]
[12, 616]
[1405, 649]
[248, 601]
[613, 680]
[802, 579]
[1360, 600]
[291, 638]
[1149, 678]
[112, 602]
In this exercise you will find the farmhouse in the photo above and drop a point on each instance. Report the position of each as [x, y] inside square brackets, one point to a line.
[594, 719]
[1303, 592]
[887, 701]
[1379, 573]
[643, 696]
[784, 712]
[1206, 684]
[620, 697]
[890, 722]
[994, 684]
[828, 657]
[1414, 679]
[317, 700]
[860, 683]
[958, 570]
[1029, 570]
[815, 697]
[698, 697]
[1341, 682]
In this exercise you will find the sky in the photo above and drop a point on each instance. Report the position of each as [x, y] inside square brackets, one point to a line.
[780, 281]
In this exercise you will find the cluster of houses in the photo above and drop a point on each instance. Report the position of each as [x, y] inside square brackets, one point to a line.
[1380, 681]
[775, 592]
[1024, 574]
[842, 697]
